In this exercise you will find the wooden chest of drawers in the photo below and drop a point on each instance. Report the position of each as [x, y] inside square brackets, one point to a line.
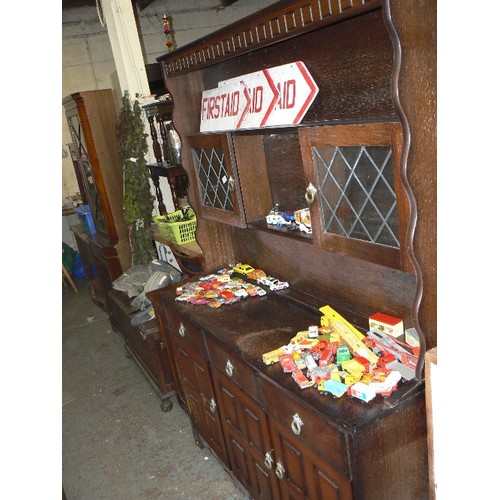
[144, 344]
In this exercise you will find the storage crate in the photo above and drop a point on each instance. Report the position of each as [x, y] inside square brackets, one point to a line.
[86, 219]
[176, 232]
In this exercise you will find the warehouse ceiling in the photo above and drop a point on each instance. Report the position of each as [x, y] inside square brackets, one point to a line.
[140, 4]
[69, 4]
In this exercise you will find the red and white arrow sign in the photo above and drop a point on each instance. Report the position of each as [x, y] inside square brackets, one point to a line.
[271, 97]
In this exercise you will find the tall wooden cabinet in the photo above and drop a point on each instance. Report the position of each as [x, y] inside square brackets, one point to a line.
[372, 248]
[92, 120]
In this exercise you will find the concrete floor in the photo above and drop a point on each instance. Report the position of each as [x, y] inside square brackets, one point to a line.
[117, 444]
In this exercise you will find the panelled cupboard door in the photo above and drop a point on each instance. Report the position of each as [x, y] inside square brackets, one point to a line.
[217, 185]
[194, 374]
[355, 191]
[302, 474]
[247, 438]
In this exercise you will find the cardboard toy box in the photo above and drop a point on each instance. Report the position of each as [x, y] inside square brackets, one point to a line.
[388, 324]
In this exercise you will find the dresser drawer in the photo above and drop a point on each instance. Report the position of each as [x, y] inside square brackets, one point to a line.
[183, 330]
[327, 441]
[235, 368]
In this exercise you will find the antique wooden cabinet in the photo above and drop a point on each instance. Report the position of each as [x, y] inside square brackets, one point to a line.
[144, 344]
[92, 120]
[275, 439]
[374, 63]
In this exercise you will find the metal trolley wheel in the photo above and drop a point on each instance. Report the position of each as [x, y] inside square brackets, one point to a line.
[166, 405]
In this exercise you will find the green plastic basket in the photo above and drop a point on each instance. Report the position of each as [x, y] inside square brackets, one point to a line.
[176, 232]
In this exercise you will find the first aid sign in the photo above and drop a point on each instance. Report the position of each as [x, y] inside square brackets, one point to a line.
[270, 97]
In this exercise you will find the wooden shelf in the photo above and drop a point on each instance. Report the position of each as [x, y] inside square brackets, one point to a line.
[189, 256]
[262, 225]
[191, 249]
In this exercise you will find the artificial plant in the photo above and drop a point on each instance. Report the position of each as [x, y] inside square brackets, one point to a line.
[137, 197]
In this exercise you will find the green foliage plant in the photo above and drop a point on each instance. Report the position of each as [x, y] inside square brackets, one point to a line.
[137, 198]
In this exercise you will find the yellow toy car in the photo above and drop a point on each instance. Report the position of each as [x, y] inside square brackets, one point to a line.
[243, 269]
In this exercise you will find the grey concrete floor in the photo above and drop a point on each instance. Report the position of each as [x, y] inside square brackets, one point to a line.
[117, 444]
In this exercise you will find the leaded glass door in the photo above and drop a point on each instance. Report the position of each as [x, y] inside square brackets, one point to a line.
[217, 178]
[81, 154]
[354, 191]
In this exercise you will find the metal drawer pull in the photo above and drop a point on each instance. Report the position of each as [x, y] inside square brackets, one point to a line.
[182, 330]
[213, 405]
[280, 471]
[268, 461]
[310, 193]
[296, 424]
[229, 368]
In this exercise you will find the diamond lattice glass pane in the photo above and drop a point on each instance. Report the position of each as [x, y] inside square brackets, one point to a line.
[85, 168]
[213, 178]
[356, 192]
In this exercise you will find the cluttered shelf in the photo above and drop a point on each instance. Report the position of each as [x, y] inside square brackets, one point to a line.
[262, 225]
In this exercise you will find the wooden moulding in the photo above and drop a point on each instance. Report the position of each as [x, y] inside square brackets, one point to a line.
[276, 23]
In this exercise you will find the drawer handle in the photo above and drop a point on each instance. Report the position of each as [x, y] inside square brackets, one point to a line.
[280, 471]
[213, 405]
[182, 330]
[310, 193]
[296, 424]
[229, 368]
[268, 461]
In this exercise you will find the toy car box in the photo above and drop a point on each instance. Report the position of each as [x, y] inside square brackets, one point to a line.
[388, 324]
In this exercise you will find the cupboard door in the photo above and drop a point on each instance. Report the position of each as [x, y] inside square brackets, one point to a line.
[194, 375]
[301, 473]
[247, 438]
[85, 172]
[92, 120]
[357, 201]
[217, 184]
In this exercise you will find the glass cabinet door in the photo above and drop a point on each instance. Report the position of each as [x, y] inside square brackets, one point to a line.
[85, 168]
[355, 194]
[217, 183]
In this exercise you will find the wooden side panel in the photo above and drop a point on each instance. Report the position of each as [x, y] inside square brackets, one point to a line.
[430, 380]
[415, 24]
[392, 444]
[103, 118]
[163, 323]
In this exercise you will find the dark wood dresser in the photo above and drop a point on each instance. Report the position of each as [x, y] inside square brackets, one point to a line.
[374, 63]
[275, 439]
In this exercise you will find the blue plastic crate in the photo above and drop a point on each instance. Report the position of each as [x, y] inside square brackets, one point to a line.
[86, 219]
